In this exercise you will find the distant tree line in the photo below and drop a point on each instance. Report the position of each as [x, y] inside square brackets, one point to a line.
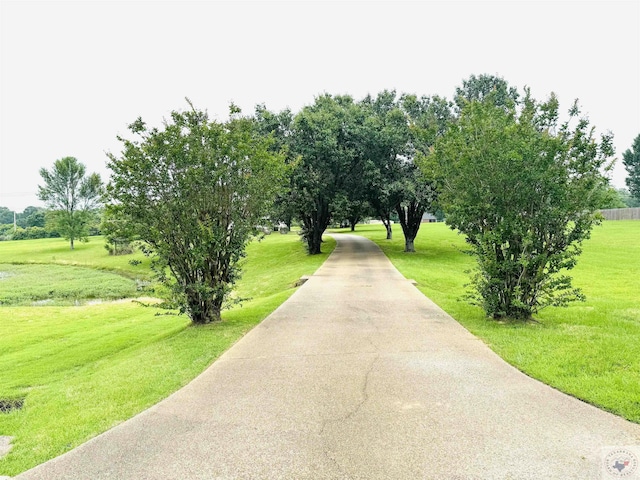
[32, 223]
[29, 223]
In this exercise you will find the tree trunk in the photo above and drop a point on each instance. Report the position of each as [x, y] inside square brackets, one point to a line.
[385, 218]
[408, 245]
[389, 231]
[204, 311]
[386, 221]
[353, 221]
[71, 242]
[314, 241]
[287, 222]
[314, 226]
[410, 219]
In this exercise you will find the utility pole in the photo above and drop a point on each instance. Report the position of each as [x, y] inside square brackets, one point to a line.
[15, 225]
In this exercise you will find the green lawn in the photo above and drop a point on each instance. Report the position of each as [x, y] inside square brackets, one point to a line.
[590, 350]
[80, 370]
[87, 254]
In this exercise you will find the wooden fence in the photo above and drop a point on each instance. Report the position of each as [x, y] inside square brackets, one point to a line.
[621, 214]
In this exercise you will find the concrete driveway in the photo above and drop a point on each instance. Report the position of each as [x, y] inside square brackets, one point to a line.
[356, 376]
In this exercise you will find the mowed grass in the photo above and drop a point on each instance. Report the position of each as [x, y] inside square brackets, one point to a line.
[81, 370]
[590, 350]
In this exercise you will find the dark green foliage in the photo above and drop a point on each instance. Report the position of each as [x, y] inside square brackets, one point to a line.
[486, 87]
[631, 161]
[6, 216]
[28, 224]
[354, 159]
[385, 148]
[523, 190]
[279, 127]
[6, 232]
[72, 198]
[416, 194]
[428, 119]
[193, 192]
[32, 217]
[325, 141]
[396, 132]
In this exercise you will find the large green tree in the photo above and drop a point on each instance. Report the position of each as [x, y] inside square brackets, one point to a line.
[193, 192]
[384, 146]
[72, 196]
[428, 119]
[416, 194]
[396, 131]
[524, 190]
[631, 161]
[324, 141]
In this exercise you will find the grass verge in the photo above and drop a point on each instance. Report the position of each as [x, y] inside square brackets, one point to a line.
[590, 350]
[80, 370]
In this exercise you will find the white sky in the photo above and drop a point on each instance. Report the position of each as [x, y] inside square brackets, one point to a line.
[75, 74]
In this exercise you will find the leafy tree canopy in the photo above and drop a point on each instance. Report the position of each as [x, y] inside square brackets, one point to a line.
[325, 142]
[385, 148]
[279, 126]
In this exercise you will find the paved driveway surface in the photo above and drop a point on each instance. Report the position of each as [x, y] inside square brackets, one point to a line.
[356, 376]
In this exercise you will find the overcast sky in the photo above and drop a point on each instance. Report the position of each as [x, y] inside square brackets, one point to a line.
[75, 74]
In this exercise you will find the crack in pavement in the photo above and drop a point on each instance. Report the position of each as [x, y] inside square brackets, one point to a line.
[364, 398]
[363, 392]
[328, 455]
